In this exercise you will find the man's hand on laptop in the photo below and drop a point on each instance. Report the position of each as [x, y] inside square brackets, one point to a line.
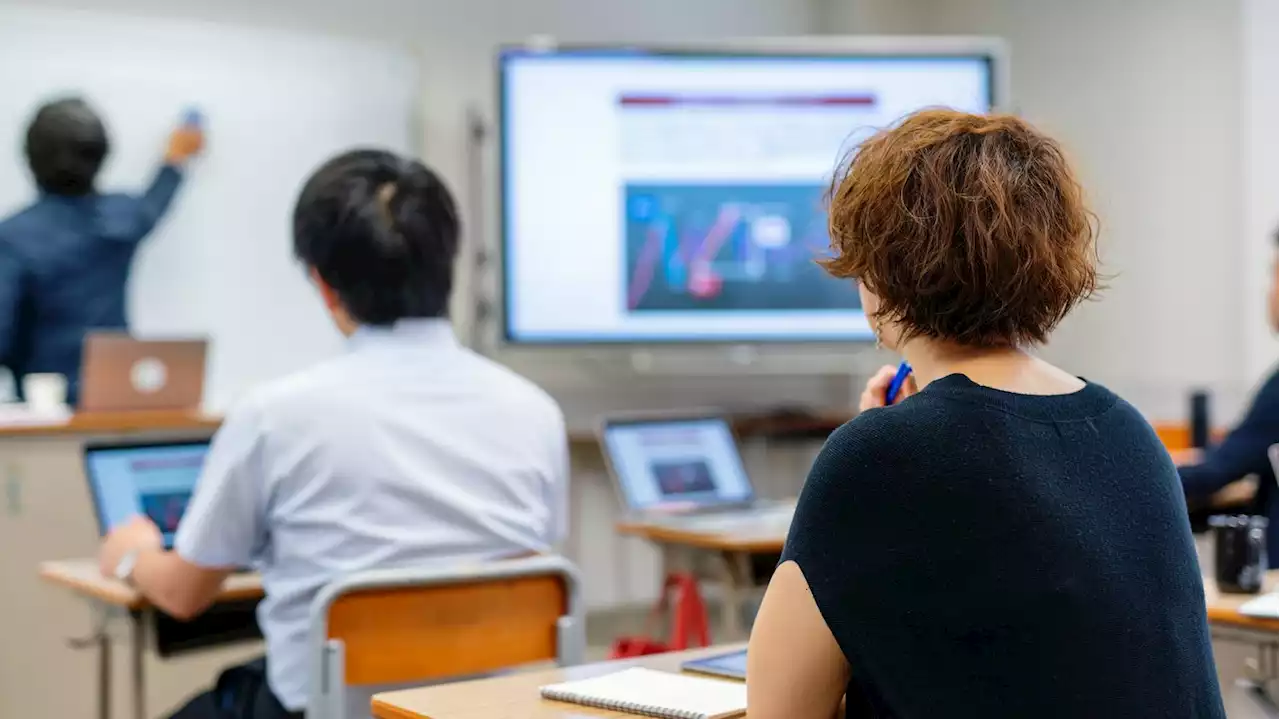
[137, 534]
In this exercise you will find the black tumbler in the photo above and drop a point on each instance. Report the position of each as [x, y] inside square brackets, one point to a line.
[1200, 419]
[1240, 552]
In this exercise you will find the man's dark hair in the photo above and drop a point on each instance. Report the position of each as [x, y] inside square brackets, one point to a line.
[382, 232]
[66, 144]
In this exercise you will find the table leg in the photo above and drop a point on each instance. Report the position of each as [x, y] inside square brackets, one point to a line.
[737, 585]
[137, 647]
[1258, 695]
[100, 640]
[104, 674]
[671, 564]
[670, 559]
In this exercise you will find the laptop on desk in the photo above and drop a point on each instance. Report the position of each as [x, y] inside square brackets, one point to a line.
[154, 479]
[120, 373]
[686, 471]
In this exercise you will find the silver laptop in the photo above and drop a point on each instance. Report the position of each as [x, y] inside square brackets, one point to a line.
[121, 374]
[686, 470]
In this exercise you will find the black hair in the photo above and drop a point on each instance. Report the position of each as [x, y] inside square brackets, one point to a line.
[66, 145]
[382, 232]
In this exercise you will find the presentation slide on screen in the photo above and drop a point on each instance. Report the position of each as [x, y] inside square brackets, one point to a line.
[656, 198]
[677, 463]
[156, 482]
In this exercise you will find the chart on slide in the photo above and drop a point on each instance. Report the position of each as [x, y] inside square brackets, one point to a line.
[730, 248]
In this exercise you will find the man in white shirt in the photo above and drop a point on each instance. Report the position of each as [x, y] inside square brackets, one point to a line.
[407, 450]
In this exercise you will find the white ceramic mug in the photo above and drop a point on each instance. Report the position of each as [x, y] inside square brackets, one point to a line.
[45, 392]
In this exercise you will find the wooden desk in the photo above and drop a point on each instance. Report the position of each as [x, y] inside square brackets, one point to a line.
[1224, 609]
[515, 696]
[116, 423]
[109, 597]
[729, 555]
[82, 577]
[1227, 624]
[767, 541]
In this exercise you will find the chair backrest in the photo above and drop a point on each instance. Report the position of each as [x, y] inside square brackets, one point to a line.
[423, 624]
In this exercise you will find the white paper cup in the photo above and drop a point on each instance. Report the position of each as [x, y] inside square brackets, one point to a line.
[46, 393]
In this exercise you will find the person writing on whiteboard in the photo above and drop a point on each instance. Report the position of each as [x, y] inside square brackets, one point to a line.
[407, 450]
[1000, 538]
[65, 258]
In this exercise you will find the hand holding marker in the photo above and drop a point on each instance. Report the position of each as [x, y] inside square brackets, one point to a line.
[895, 386]
[187, 139]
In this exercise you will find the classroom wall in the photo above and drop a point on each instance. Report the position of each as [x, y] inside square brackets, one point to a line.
[1260, 27]
[1148, 97]
[882, 17]
[455, 23]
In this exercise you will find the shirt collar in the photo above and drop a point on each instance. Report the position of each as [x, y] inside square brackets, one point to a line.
[433, 332]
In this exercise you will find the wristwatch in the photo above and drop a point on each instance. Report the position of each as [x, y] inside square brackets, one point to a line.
[124, 570]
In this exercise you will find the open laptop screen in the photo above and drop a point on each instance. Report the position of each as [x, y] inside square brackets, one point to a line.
[152, 480]
[676, 463]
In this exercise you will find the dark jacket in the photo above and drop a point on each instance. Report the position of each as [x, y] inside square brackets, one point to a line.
[64, 267]
[1244, 452]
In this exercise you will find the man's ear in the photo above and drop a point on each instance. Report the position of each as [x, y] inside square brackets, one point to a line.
[327, 293]
[346, 324]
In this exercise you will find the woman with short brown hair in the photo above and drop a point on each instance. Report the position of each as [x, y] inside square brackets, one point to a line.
[1003, 539]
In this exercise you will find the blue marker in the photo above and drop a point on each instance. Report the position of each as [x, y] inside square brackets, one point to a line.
[895, 385]
[192, 118]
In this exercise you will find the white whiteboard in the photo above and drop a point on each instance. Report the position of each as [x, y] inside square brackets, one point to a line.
[276, 105]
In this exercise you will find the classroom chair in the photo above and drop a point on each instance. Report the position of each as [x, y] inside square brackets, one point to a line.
[418, 625]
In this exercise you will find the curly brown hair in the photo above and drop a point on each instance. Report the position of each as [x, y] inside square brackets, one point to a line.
[968, 228]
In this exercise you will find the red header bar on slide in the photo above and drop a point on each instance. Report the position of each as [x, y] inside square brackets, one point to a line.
[745, 100]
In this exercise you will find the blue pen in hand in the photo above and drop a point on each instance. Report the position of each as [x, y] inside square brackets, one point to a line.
[895, 385]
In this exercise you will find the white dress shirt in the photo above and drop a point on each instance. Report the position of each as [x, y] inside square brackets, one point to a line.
[407, 450]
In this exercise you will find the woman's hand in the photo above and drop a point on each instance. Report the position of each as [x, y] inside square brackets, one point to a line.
[873, 395]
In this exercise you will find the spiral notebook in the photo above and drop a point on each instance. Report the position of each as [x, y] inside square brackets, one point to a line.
[655, 694]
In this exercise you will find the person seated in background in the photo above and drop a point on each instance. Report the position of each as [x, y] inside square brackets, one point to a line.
[1245, 450]
[65, 258]
[408, 450]
[1005, 539]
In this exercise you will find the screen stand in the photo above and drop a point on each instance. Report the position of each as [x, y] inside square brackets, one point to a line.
[478, 256]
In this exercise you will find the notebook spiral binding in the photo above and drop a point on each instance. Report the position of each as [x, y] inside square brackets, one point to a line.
[649, 710]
